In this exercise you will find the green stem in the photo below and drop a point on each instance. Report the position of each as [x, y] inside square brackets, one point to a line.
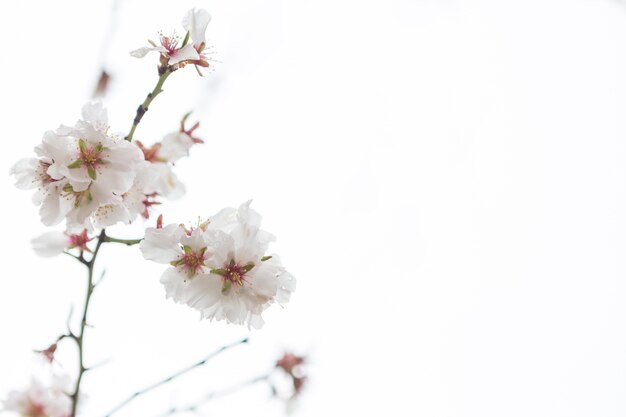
[164, 72]
[83, 323]
[128, 242]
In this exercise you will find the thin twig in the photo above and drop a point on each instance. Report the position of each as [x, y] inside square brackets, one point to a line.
[173, 376]
[215, 394]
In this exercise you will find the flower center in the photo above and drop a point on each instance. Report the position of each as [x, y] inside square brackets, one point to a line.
[170, 43]
[191, 261]
[90, 157]
[233, 273]
[80, 240]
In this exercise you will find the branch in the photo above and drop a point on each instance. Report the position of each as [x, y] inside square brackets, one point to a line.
[164, 72]
[128, 242]
[83, 323]
[173, 376]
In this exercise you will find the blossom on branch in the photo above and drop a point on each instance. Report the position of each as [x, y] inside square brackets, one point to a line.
[220, 267]
[195, 23]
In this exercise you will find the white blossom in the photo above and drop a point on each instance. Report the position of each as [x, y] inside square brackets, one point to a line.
[79, 169]
[195, 23]
[220, 267]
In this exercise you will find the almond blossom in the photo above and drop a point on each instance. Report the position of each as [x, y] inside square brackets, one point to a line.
[220, 267]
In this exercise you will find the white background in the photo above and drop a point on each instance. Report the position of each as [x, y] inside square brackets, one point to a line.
[446, 180]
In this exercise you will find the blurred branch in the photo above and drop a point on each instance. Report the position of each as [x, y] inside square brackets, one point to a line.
[215, 394]
[173, 376]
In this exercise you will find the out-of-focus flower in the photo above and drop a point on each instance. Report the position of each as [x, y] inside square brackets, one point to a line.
[176, 145]
[102, 85]
[55, 242]
[289, 362]
[292, 365]
[220, 267]
[48, 353]
[39, 400]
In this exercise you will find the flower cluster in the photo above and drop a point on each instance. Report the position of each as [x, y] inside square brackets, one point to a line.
[220, 267]
[93, 179]
[79, 170]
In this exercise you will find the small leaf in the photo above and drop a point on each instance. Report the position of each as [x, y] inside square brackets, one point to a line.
[186, 39]
[226, 287]
[92, 173]
[219, 271]
[248, 267]
[76, 164]
[187, 249]
[266, 258]
[82, 145]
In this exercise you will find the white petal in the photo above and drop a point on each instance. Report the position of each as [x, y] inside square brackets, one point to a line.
[50, 244]
[96, 114]
[25, 172]
[162, 245]
[200, 292]
[203, 291]
[54, 206]
[141, 52]
[175, 145]
[186, 53]
[159, 178]
[196, 22]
